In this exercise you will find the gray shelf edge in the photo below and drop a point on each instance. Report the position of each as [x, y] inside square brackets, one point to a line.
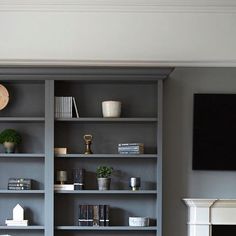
[21, 155]
[118, 192]
[107, 228]
[22, 119]
[141, 156]
[30, 227]
[101, 119]
[22, 191]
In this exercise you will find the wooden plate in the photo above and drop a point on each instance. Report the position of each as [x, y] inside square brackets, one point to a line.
[4, 97]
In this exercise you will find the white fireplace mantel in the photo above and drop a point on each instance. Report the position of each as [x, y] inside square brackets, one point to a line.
[203, 213]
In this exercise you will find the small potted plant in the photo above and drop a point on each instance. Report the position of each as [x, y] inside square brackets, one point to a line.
[10, 139]
[103, 177]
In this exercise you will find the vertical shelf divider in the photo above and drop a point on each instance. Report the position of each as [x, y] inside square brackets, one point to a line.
[159, 150]
[49, 159]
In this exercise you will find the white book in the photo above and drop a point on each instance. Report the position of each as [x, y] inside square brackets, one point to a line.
[64, 107]
[71, 110]
[76, 109]
[63, 186]
[56, 107]
[67, 107]
[58, 104]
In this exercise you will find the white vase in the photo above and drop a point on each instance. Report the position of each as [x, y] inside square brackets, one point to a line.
[111, 109]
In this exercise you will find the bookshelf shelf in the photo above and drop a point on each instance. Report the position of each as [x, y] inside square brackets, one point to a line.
[22, 119]
[22, 155]
[108, 192]
[109, 228]
[22, 191]
[100, 119]
[30, 227]
[108, 156]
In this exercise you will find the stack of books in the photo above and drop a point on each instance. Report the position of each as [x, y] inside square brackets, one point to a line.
[63, 186]
[65, 107]
[19, 184]
[131, 148]
[94, 215]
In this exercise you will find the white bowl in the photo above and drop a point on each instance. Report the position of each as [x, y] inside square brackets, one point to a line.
[139, 221]
[111, 109]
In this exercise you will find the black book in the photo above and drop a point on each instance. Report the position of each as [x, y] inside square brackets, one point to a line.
[19, 180]
[107, 218]
[101, 215]
[90, 215]
[18, 188]
[19, 185]
[83, 211]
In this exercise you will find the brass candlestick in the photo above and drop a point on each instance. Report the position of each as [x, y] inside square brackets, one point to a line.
[62, 176]
[88, 141]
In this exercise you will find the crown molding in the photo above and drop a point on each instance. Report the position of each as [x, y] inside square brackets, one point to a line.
[171, 6]
[120, 63]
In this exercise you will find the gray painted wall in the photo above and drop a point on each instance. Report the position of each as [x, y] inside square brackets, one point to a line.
[179, 179]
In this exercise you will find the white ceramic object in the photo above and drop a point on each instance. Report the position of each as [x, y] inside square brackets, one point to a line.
[111, 109]
[139, 221]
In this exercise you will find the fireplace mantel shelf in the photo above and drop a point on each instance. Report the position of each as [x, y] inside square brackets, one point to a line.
[203, 213]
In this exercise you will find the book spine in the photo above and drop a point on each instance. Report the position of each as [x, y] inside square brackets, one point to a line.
[101, 215]
[90, 215]
[20, 182]
[83, 215]
[130, 148]
[68, 107]
[130, 144]
[75, 107]
[130, 152]
[19, 185]
[70, 111]
[18, 188]
[95, 215]
[55, 107]
[19, 179]
[107, 217]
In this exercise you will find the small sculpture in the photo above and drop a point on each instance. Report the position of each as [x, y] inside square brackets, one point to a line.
[18, 217]
[88, 141]
[135, 183]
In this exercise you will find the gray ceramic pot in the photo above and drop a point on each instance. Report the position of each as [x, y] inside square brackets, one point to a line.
[104, 183]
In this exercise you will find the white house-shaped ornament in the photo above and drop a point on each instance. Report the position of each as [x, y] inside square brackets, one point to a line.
[18, 213]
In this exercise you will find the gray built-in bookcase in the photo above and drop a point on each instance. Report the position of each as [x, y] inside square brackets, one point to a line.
[31, 112]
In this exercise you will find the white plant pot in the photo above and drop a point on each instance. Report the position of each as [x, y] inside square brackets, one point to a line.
[9, 147]
[111, 109]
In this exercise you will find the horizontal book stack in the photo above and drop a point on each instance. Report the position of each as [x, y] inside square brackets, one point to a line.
[63, 186]
[65, 107]
[94, 215]
[19, 184]
[131, 148]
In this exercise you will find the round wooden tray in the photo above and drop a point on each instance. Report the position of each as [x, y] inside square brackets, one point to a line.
[4, 97]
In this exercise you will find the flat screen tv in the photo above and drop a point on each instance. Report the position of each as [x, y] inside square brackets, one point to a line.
[214, 132]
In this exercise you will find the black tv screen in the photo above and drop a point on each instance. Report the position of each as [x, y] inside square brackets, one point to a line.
[214, 132]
